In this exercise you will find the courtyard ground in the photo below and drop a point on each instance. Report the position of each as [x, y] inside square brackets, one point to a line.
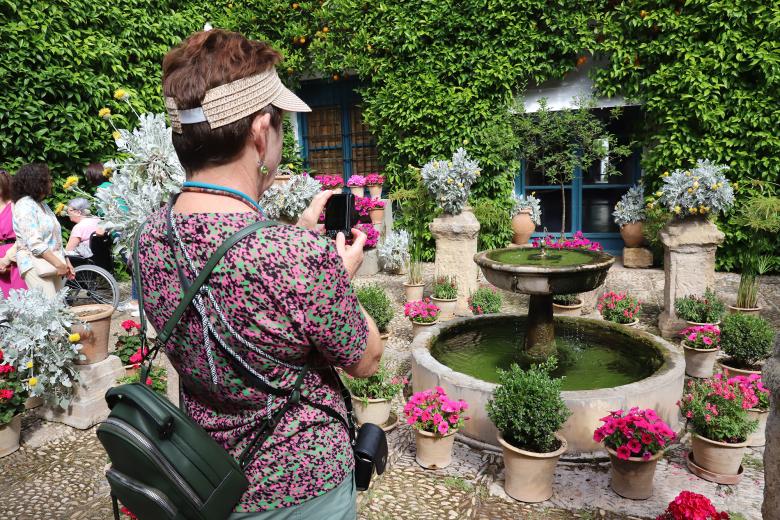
[58, 472]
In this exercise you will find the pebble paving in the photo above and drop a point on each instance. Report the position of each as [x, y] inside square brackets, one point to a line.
[58, 472]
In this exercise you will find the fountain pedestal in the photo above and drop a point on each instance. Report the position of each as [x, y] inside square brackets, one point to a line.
[456, 245]
[689, 265]
[540, 337]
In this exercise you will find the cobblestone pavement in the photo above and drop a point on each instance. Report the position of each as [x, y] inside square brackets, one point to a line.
[58, 472]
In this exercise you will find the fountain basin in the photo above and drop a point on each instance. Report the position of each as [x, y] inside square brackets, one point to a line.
[660, 390]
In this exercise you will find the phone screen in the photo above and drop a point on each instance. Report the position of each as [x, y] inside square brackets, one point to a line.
[338, 213]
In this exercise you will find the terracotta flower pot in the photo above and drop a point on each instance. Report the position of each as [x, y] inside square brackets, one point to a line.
[632, 323]
[33, 402]
[413, 292]
[375, 411]
[523, 227]
[281, 179]
[744, 310]
[447, 307]
[697, 324]
[632, 478]
[419, 327]
[567, 310]
[632, 234]
[729, 371]
[9, 436]
[377, 215]
[374, 190]
[699, 362]
[758, 437]
[528, 476]
[94, 336]
[434, 451]
[723, 458]
[357, 191]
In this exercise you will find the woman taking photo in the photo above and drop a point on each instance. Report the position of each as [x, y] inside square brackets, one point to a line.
[280, 298]
[9, 273]
[40, 256]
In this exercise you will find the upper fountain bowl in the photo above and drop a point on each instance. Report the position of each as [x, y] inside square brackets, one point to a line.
[564, 271]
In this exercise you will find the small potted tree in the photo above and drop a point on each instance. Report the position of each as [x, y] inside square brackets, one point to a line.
[567, 305]
[357, 185]
[619, 307]
[528, 410]
[394, 252]
[422, 314]
[716, 411]
[374, 182]
[372, 396]
[700, 345]
[747, 341]
[13, 394]
[377, 304]
[700, 310]
[485, 300]
[445, 295]
[436, 419]
[526, 215]
[753, 386]
[629, 214]
[635, 441]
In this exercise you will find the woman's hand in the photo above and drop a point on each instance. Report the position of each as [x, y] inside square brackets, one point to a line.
[71, 273]
[62, 269]
[311, 215]
[352, 255]
[4, 264]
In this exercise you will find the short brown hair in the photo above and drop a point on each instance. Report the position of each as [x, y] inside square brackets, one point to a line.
[94, 174]
[31, 180]
[203, 61]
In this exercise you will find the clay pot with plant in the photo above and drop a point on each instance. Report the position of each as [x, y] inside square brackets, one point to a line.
[93, 326]
[445, 295]
[716, 411]
[526, 215]
[414, 284]
[567, 305]
[377, 304]
[747, 341]
[422, 313]
[372, 396]
[528, 410]
[635, 441]
[619, 307]
[629, 215]
[374, 182]
[700, 344]
[707, 309]
[357, 185]
[759, 411]
[747, 292]
[436, 419]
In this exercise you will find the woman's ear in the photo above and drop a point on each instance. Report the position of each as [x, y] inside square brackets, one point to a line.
[260, 127]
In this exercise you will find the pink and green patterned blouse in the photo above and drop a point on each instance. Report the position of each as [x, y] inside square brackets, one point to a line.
[286, 292]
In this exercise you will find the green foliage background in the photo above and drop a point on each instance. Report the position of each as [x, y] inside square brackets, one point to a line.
[436, 75]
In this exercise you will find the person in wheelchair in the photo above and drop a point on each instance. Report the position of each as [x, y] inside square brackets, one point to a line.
[78, 247]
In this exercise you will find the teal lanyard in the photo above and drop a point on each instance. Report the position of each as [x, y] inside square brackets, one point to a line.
[224, 189]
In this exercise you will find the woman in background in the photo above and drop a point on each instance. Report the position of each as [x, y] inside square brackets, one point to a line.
[9, 272]
[85, 225]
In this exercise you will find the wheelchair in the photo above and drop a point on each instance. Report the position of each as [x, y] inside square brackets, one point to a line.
[94, 281]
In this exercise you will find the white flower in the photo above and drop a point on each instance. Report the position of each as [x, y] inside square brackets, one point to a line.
[207, 27]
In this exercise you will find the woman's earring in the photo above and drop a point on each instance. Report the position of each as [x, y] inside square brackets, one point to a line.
[263, 169]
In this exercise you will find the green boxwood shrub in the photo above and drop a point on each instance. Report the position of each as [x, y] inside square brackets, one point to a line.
[746, 339]
[527, 407]
[374, 299]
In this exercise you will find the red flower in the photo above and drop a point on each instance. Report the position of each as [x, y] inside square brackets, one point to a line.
[691, 506]
[6, 394]
[127, 512]
[148, 381]
[623, 452]
[130, 324]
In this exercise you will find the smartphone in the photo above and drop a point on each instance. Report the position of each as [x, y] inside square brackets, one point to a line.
[340, 215]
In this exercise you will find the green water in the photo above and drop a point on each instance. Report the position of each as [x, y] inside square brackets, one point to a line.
[526, 256]
[587, 362]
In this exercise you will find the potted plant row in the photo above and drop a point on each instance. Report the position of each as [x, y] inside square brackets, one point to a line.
[528, 410]
[619, 307]
[700, 310]
[700, 344]
[422, 314]
[445, 295]
[377, 304]
[484, 300]
[436, 419]
[567, 305]
[635, 441]
[372, 396]
[747, 340]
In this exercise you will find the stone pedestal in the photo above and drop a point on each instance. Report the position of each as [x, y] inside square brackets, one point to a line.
[456, 245]
[370, 265]
[771, 378]
[88, 406]
[637, 257]
[689, 265]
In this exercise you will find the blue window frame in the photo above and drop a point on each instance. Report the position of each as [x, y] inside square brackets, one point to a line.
[590, 198]
[333, 137]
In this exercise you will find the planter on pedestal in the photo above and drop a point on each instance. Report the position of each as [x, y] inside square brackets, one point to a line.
[528, 476]
[94, 331]
[434, 451]
[446, 306]
[456, 245]
[522, 227]
[9, 436]
[632, 478]
[699, 362]
[377, 215]
[721, 458]
[413, 292]
[632, 234]
[375, 411]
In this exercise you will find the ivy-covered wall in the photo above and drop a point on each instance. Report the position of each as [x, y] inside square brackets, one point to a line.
[437, 75]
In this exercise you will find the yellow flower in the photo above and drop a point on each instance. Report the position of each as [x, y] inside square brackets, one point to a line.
[677, 209]
[478, 171]
[107, 172]
[702, 209]
[695, 184]
[75, 337]
[59, 209]
[70, 182]
[104, 113]
[450, 181]
[32, 381]
[690, 190]
[460, 185]
[692, 210]
[659, 193]
[665, 174]
[116, 135]
[290, 166]
[651, 205]
[121, 94]
[29, 364]
[715, 186]
[688, 173]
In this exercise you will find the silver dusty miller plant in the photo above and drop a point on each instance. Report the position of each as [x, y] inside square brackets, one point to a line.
[521, 202]
[701, 190]
[290, 199]
[449, 182]
[631, 207]
[36, 339]
[393, 251]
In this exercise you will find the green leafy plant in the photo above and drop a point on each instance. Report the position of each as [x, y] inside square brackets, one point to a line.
[449, 182]
[495, 229]
[746, 339]
[619, 307]
[630, 208]
[700, 309]
[717, 409]
[157, 379]
[485, 300]
[13, 393]
[527, 407]
[702, 190]
[752, 268]
[445, 288]
[566, 299]
[374, 299]
[381, 385]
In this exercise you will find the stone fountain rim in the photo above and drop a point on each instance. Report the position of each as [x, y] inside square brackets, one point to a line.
[664, 375]
[603, 261]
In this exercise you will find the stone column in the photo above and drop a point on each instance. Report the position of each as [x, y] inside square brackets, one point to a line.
[456, 245]
[689, 265]
[771, 378]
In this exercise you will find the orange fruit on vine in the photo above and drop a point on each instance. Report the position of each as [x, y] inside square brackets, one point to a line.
[302, 40]
[295, 6]
[325, 29]
[643, 13]
[335, 77]
[582, 60]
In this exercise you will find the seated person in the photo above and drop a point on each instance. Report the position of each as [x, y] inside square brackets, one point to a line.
[78, 212]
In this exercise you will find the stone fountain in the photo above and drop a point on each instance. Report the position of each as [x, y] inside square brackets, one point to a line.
[607, 366]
